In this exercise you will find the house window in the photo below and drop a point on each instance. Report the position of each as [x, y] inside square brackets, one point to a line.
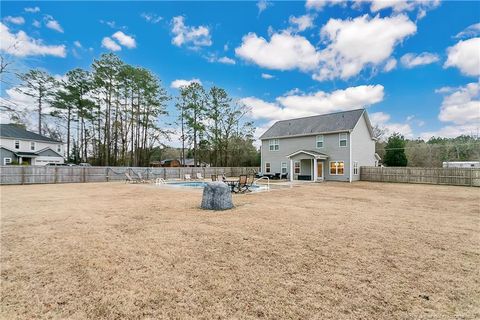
[355, 168]
[319, 141]
[337, 168]
[267, 167]
[17, 144]
[274, 145]
[296, 167]
[284, 167]
[32, 146]
[7, 161]
[59, 148]
[342, 139]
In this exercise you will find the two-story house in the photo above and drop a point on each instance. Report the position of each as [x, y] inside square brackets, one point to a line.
[18, 145]
[324, 147]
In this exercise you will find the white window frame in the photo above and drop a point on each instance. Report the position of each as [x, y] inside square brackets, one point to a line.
[318, 139]
[269, 167]
[355, 168]
[59, 148]
[274, 145]
[17, 144]
[5, 162]
[32, 146]
[336, 168]
[295, 167]
[283, 167]
[340, 139]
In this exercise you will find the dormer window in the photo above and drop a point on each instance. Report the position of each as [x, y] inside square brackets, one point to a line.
[274, 145]
[32, 145]
[342, 139]
[17, 144]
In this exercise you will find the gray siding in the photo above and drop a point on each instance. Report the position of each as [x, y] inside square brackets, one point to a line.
[4, 153]
[49, 153]
[293, 144]
[363, 146]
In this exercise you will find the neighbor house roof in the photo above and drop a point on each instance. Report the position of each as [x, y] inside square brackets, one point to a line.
[16, 132]
[332, 122]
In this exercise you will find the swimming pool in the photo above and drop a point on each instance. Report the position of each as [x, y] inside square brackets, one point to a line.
[201, 184]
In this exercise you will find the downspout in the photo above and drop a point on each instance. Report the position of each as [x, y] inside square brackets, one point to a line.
[350, 145]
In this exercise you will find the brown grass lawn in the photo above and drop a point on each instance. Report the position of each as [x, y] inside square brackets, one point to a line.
[324, 251]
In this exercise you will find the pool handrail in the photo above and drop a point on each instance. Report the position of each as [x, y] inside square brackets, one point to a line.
[264, 177]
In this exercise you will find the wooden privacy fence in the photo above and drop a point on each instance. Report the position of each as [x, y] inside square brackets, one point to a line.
[61, 174]
[447, 176]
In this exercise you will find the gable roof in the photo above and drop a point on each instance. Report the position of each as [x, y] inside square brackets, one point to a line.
[17, 132]
[331, 122]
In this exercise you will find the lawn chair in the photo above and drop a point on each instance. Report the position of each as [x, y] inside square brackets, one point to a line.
[199, 176]
[242, 184]
[249, 184]
[130, 179]
[187, 176]
[140, 177]
[214, 177]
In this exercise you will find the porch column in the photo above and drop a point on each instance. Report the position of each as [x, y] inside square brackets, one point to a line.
[291, 170]
[315, 169]
[20, 160]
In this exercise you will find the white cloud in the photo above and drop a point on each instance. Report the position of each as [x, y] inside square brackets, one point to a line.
[77, 44]
[267, 76]
[400, 5]
[179, 83]
[361, 42]
[283, 52]
[21, 45]
[32, 9]
[53, 24]
[151, 17]
[109, 44]
[382, 119]
[125, 40]
[465, 56]
[390, 65]
[194, 37]
[226, 60]
[296, 105]
[302, 23]
[36, 24]
[262, 5]
[320, 4]
[15, 20]
[411, 60]
[471, 31]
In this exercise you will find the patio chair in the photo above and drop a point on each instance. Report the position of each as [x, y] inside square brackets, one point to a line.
[187, 176]
[214, 177]
[199, 176]
[249, 184]
[284, 175]
[130, 179]
[242, 184]
[140, 177]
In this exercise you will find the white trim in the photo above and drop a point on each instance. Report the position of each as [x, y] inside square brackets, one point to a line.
[318, 156]
[350, 176]
[282, 167]
[36, 140]
[317, 141]
[5, 161]
[315, 170]
[270, 167]
[305, 134]
[355, 168]
[299, 167]
[34, 145]
[291, 170]
[336, 170]
[340, 139]
[15, 144]
[271, 143]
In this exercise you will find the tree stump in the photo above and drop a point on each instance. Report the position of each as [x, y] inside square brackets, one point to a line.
[216, 196]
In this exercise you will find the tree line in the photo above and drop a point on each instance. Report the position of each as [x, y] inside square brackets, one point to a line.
[112, 115]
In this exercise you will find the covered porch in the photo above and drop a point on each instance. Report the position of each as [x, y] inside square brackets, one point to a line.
[307, 165]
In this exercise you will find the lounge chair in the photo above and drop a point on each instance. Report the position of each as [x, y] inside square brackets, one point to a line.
[130, 179]
[187, 177]
[214, 177]
[199, 176]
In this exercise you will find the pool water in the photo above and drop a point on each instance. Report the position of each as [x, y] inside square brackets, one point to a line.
[201, 184]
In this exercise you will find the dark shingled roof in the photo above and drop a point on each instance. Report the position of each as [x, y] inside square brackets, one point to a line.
[332, 122]
[17, 132]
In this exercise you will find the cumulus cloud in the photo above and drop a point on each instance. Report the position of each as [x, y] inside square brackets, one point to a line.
[193, 37]
[354, 44]
[411, 60]
[294, 105]
[53, 24]
[382, 120]
[21, 45]
[125, 40]
[301, 23]
[465, 56]
[284, 51]
[267, 76]
[109, 44]
[32, 9]
[470, 31]
[179, 83]
[15, 20]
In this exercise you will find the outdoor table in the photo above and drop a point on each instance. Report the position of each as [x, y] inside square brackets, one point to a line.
[231, 183]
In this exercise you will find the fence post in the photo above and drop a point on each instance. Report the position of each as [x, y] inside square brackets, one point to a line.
[83, 174]
[106, 174]
[471, 177]
[23, 174]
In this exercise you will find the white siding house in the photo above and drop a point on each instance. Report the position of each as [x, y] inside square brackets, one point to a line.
[20, 146]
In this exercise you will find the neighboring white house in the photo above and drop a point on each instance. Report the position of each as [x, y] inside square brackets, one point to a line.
[324, 147]
[18, 145]
[461, 164]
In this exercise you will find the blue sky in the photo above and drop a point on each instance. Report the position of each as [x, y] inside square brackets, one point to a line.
[415, 65]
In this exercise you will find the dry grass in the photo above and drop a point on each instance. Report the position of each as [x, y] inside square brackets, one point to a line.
[325, 251]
